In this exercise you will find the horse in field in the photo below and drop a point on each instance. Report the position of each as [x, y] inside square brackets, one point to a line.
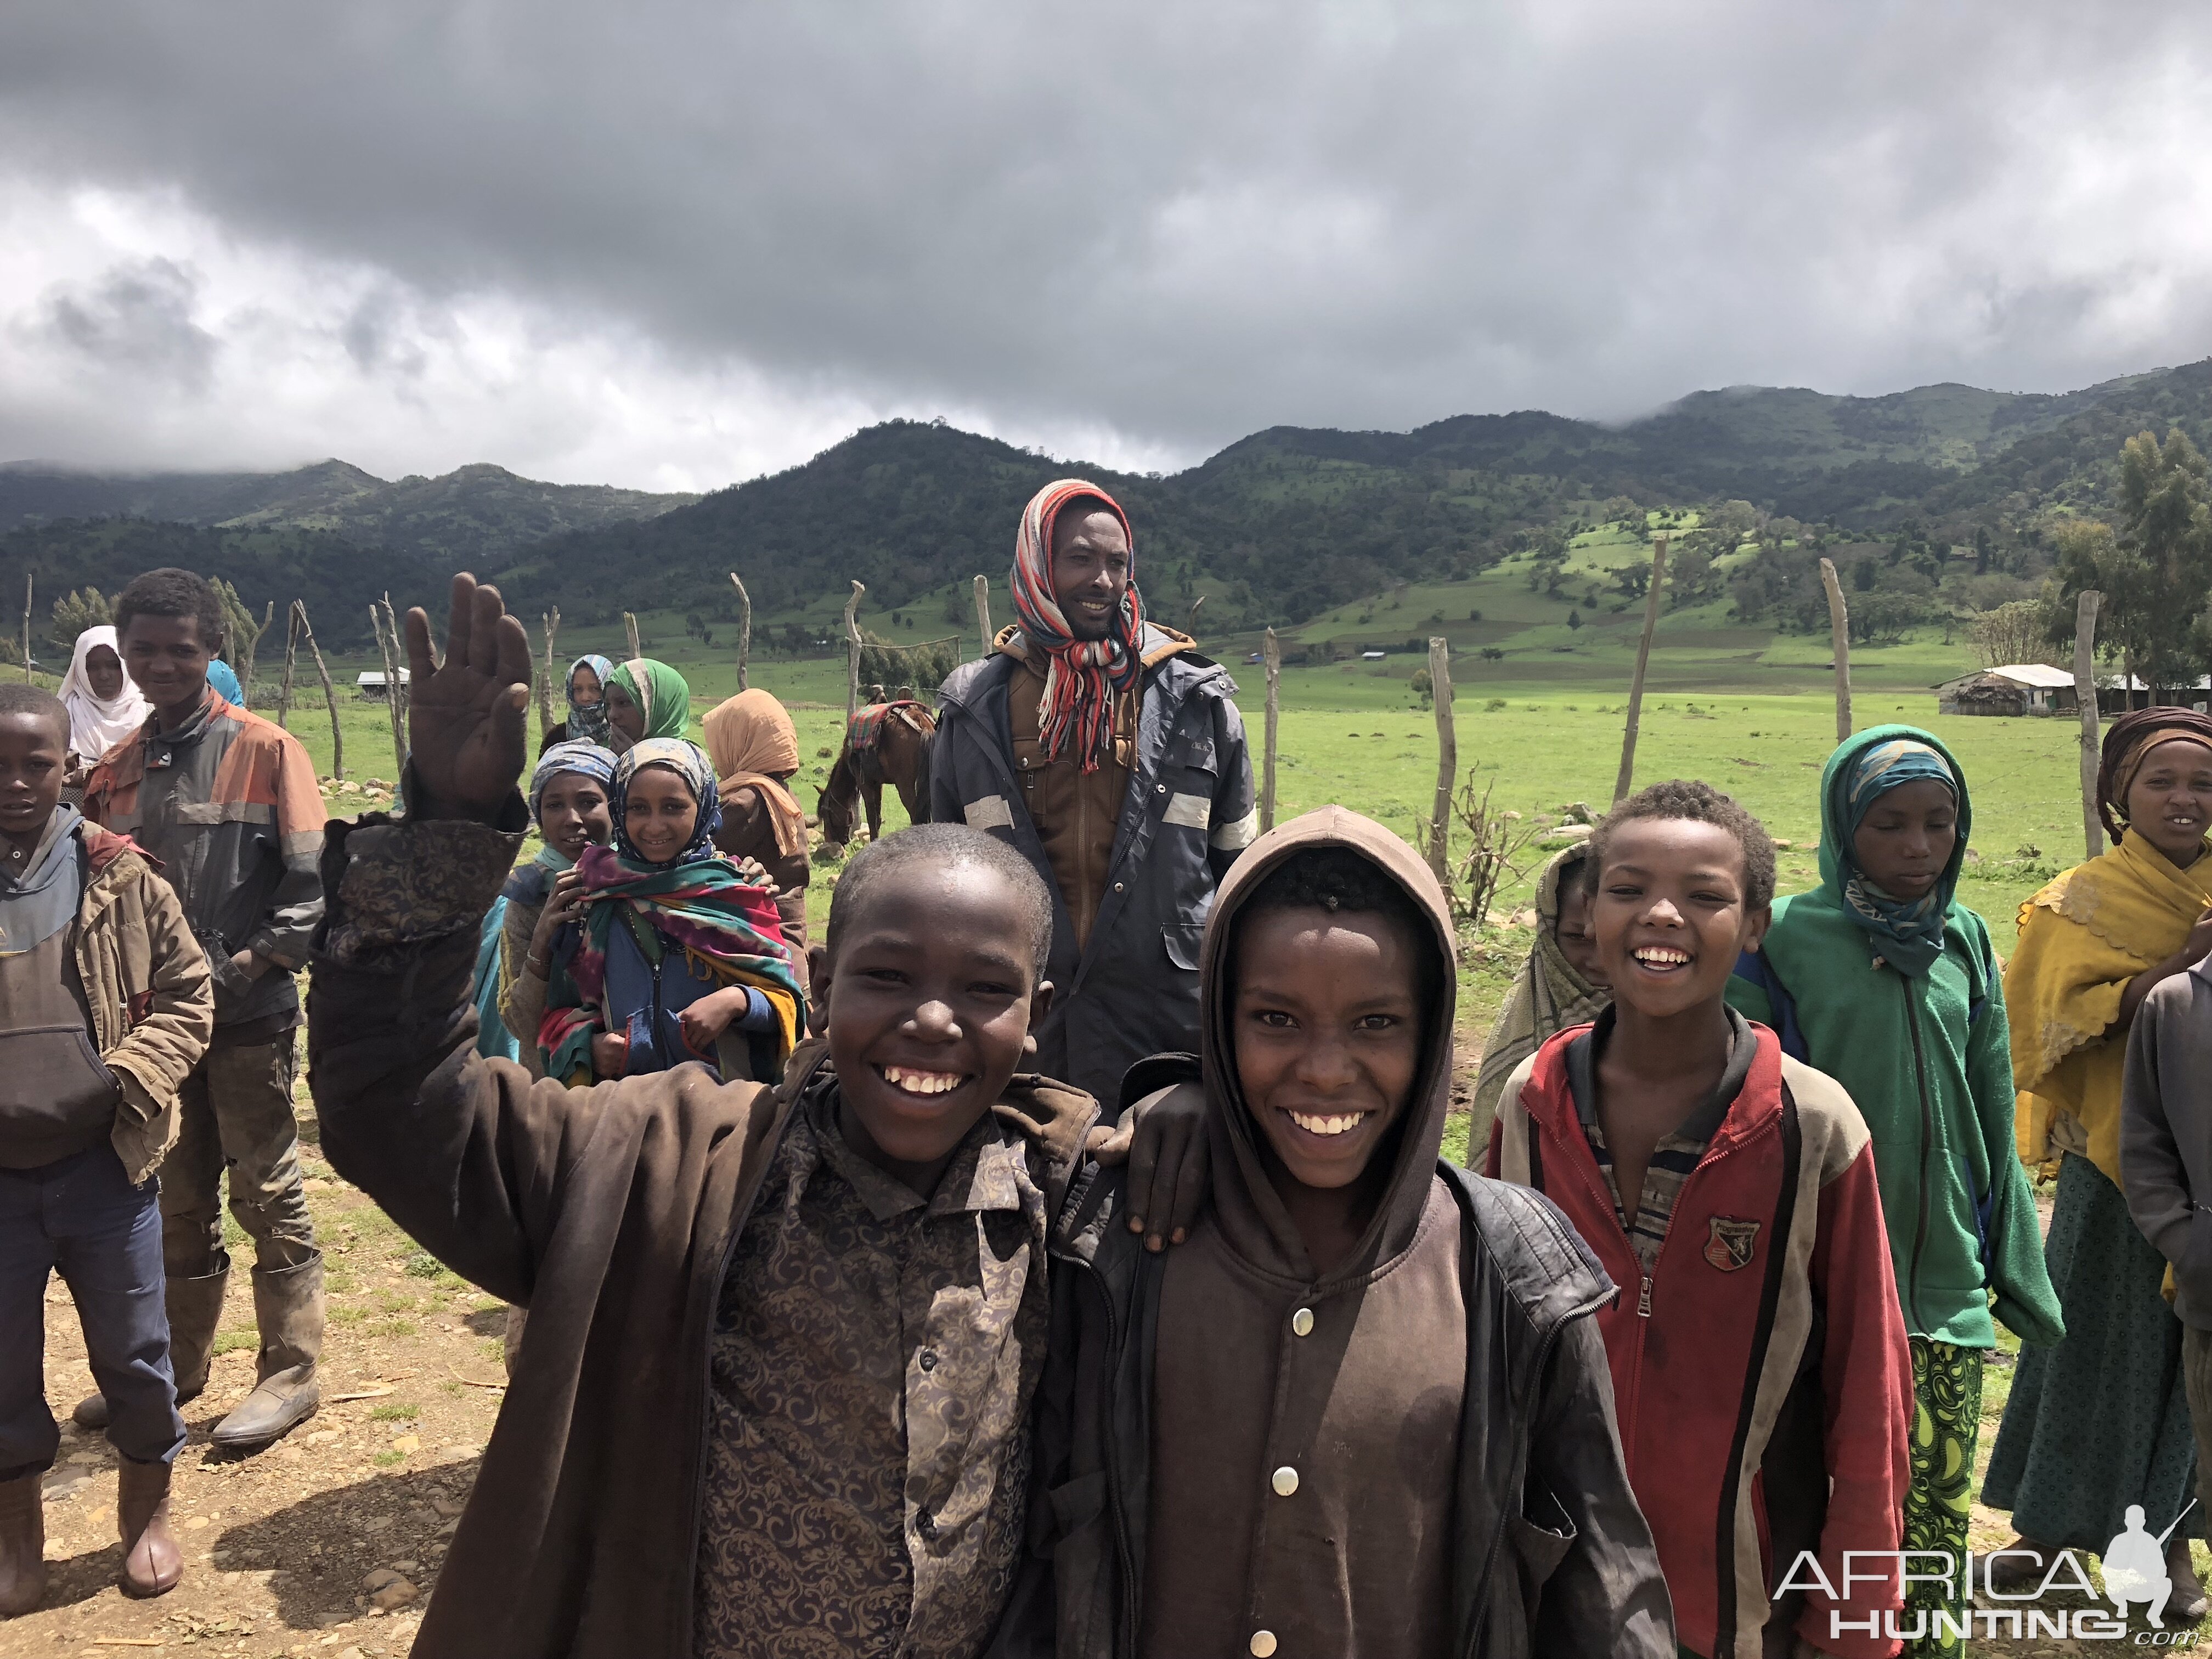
[886, 742]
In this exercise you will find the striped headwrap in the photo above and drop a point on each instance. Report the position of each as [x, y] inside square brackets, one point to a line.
[1082, 677]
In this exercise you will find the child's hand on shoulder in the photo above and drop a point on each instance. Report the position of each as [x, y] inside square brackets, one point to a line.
[1163, 1140]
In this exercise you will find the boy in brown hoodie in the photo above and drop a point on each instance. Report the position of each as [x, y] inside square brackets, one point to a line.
[1364, 1409]
[105, 1007]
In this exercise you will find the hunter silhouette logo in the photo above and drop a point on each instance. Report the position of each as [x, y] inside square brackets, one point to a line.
[2134, 1566]
[1730, 1245]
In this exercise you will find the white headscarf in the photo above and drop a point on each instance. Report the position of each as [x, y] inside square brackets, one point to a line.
[96, 726]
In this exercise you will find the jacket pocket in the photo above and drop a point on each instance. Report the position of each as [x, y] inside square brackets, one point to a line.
[54, 1088]
[1183, 944]
[1541, 1536]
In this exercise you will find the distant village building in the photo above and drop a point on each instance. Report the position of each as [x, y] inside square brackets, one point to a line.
[371, 683]
[2034, 688]
[2021, 688]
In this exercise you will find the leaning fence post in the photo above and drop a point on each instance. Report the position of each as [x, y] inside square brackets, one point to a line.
[629, 622]
[329, 697]
[1440, 690]
[1273, 654]
[744, 629]
[550, 622]
[1620, 786]
[983, 613]
[291, 656]
[1840, 636]
[385, 646]
[853, 655]
[2085, 694]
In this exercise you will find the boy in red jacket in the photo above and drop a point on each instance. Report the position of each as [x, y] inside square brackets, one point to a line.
[1761, 1369]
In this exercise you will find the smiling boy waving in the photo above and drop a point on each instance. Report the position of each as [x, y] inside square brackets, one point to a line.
[782, 1341]
[1759, 1365]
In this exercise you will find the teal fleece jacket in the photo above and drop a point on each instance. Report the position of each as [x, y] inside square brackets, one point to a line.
[1929, 1062]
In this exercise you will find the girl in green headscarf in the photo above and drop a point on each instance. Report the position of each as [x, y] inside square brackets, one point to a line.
[646, 699]
[1882, 979]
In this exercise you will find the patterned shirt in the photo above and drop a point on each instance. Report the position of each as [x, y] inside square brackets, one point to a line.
[874, 1359]
[1679, 1150]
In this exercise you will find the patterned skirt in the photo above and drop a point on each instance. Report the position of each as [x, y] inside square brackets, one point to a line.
[1946, 1420]
[2100, 1421]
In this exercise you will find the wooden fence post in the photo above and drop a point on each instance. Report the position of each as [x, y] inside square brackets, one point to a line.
[1440, 690]
[549, 620]
[1622, 784]
[385, 648]
[1273, 654]
[629, 622]
[1190, 624]
[2085, 693]
[744, 629]
[291, 657]
[983, 613]
[853, 654]
[1840, 636]
[329, 697]
[27, 627]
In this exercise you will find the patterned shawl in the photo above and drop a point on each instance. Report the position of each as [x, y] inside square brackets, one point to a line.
[659, 692]
[1907, 934]
[697, 902]
[588, 721]
[1081, 677]
[755, 746]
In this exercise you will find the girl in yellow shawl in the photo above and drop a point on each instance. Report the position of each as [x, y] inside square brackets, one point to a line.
[2101, 1421]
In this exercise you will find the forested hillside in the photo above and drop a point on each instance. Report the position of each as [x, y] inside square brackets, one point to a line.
[1946, 495]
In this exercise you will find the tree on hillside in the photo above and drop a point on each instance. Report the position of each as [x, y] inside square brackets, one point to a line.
[2156, 572]
[75, 612]
[1574, 619]
[2014, 633]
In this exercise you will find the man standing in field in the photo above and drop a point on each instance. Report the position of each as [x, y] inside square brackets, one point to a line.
[227, 802]
[1108, 752]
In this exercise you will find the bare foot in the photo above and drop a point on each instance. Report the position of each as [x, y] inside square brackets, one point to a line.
[2016, 1571]
[2187, 1601]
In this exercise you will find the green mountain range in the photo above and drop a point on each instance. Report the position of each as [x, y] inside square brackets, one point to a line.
[1290, 525]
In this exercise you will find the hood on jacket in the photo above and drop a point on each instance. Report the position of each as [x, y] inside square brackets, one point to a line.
[1837, 867]
[1250, 1213]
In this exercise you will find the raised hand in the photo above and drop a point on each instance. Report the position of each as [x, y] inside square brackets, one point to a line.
[465, 720]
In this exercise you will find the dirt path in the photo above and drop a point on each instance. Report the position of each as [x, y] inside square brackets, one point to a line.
[284, 1549]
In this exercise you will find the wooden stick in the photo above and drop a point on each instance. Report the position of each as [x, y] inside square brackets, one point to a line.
[2085, 694]
[329, 697]
[853, 655]
[983, 613]
[1840, 636]
[250, 648]
[744, 629]
[1273, 654]
[1190, 622]
[291, 657]
[391, 686]
[636, 649]
[550, 622]
[1620, 784]
[1440, 688]
[26, 627]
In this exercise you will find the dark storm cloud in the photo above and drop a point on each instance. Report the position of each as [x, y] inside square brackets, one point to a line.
[1186, 222]
[135, 321]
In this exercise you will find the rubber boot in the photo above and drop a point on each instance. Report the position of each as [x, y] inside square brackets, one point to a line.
[195, 1308]
[288, 1305]
[152, 1562]
[22, 1543]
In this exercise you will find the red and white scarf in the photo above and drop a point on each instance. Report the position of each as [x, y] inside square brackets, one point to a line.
[1082, 677]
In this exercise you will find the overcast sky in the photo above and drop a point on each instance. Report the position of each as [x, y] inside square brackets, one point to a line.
[672, 245]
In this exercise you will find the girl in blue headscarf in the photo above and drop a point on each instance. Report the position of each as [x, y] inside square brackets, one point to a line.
[680, 956]
[1882, 979]
[571, 802]
[587, 703]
